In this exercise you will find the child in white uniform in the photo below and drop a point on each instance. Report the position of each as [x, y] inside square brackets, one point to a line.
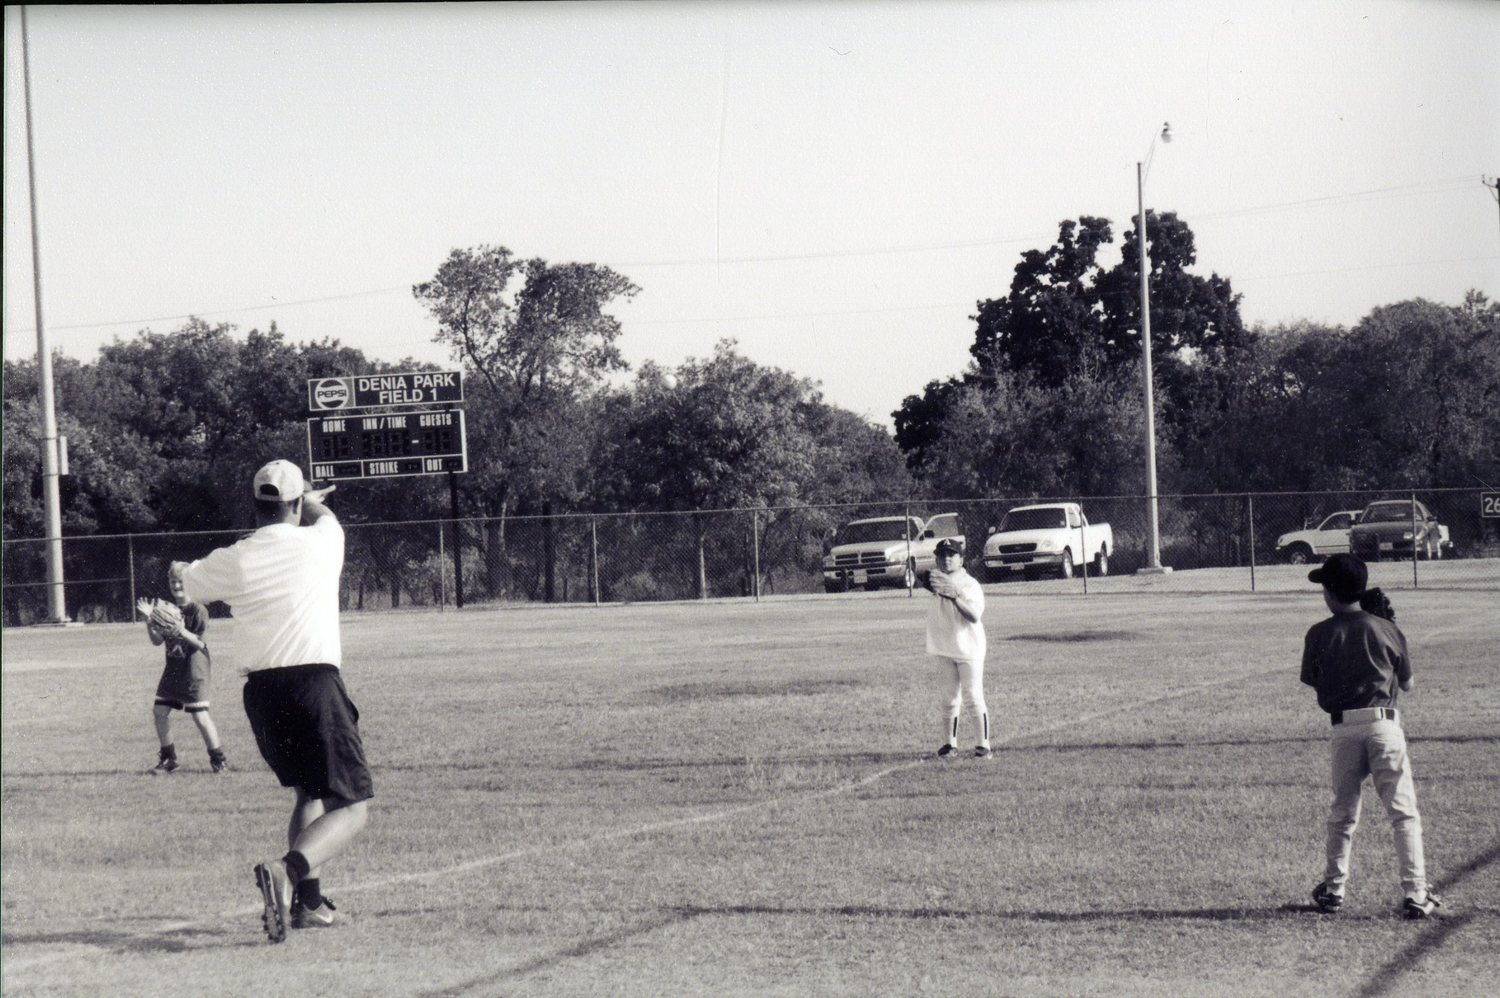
[956, 640]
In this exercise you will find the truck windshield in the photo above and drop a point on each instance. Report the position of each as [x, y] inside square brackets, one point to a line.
[1034, 519]
[871, 530]
[1388, 512]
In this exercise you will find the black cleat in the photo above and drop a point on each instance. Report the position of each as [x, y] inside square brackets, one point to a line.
[276, 892]
[1326, 898]
[946, 751]
[1417, 910]
[314, 918]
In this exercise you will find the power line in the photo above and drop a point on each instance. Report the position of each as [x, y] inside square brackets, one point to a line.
[1404, 190]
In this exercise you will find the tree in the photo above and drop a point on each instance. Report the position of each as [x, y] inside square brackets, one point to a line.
[1051, 313]
[1421, 389]
[537, 338]
[537, 343]
[1050, 401]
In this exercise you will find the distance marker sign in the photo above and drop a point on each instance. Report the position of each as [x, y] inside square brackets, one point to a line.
[388, 445]
[371, 391]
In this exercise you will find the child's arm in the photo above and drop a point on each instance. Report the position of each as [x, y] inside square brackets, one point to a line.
[191, 640]
[944, 588]
[969, 611]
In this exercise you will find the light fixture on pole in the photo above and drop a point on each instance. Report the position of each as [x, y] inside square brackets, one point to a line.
[1153, 551]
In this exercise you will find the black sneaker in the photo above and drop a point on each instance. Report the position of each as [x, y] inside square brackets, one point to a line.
[163, 767]
[220, 766]
[1416, 910]
[1326, 898]
[946, 751]
[314, 918]
[983, 752]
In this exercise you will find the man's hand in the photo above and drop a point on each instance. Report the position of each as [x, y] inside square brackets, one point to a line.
[316, 495]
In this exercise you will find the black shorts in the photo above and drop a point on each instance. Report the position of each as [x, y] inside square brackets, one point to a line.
[307, 729]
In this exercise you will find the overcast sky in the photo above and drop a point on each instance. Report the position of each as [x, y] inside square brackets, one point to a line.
[832, 185]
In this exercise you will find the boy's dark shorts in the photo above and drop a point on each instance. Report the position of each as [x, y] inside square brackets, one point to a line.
[307, 729]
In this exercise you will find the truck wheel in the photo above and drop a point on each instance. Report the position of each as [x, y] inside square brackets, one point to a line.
[1101, 563]
[909, 577]
[1065, 570]
[1299, 554]
[832, 587]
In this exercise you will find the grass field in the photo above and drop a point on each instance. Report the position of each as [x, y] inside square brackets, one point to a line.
[740, 798]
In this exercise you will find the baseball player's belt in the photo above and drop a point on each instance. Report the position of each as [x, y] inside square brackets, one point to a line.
[1363, 715]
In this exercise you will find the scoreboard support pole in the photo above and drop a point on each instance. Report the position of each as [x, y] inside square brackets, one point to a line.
[458, 544]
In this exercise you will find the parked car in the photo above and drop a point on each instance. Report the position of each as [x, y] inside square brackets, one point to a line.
[1052, 537]
[1395, 528]
[885, 551]
[1329, 537]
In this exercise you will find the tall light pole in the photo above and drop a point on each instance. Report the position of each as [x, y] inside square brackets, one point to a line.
[56, 605]
[1153, 552]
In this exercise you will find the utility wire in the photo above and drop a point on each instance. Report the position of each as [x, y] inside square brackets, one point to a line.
[1381, 193]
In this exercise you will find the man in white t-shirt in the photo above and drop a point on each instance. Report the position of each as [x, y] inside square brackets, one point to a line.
[282, 584]
[956, 640]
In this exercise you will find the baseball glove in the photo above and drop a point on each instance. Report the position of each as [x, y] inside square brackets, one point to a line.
[163, 616]
[1378, 603]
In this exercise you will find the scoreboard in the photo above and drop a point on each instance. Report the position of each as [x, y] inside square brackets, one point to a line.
[387, 445]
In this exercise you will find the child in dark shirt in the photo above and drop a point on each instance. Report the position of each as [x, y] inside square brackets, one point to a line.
[184, 685]
[1357, 661]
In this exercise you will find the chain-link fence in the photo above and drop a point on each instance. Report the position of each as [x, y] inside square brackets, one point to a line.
[1249, 542]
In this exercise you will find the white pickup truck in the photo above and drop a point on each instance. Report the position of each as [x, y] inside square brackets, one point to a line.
[884, 551]
[1053, 537]
[1300, 547]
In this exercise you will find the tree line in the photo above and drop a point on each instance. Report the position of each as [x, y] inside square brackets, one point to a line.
[164, 427]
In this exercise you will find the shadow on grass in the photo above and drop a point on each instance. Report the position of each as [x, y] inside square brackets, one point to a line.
[1021, 746]
[1068, 637]
[487, 983]
[723, 762]
[178, 940]
[1433, 937]
[687, 692]
[1050, 917]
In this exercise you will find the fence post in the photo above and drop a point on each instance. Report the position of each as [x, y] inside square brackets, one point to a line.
[130, 563]
[1250, 501]
[458, 544]
[442, 570]
[1083, 550]
[912, 592]
[1414, 540]
[549, 554]
[755, 551]
[594, 557]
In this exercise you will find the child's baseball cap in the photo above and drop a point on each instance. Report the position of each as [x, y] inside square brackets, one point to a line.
[950, 545]
[1344, 575]
[279, 481]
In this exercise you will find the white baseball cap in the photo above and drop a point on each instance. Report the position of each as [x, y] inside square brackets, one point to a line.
[279, 481]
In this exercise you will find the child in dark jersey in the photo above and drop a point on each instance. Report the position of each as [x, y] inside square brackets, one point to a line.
[1357, 662]
[184, 686]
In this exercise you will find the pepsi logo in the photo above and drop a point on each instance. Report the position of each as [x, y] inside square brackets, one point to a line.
[331, 393]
